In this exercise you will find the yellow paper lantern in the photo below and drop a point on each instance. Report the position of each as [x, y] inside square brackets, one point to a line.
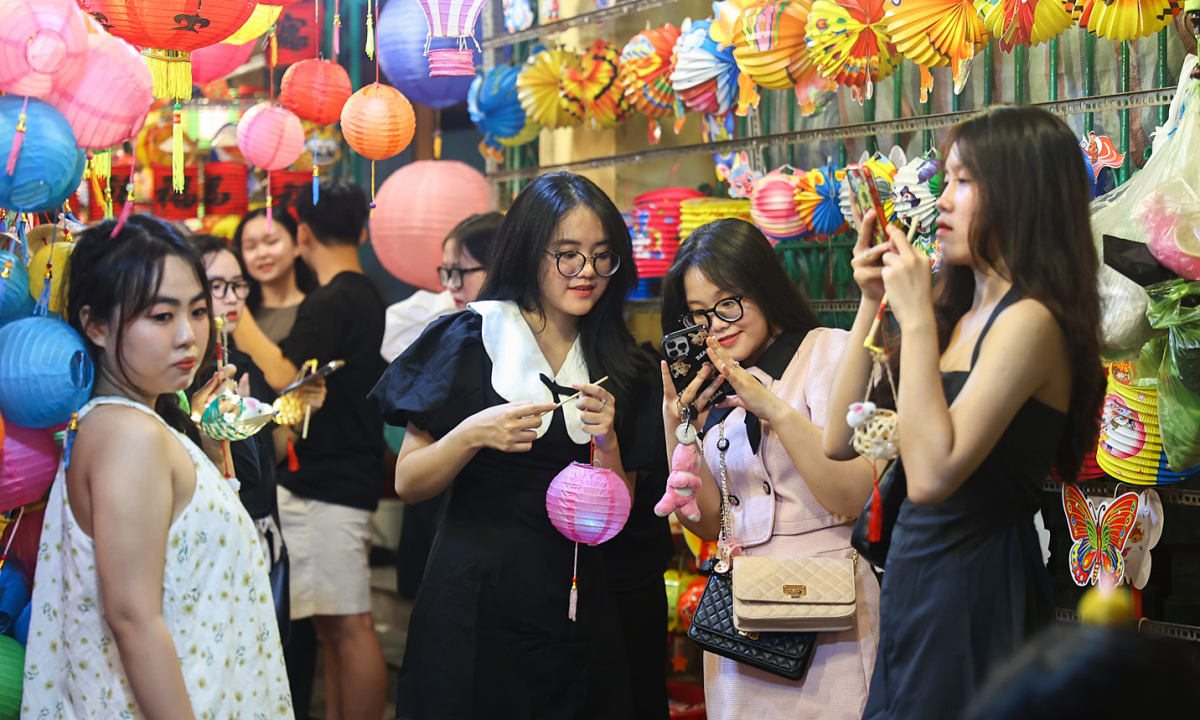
[57, 256]
[259, 23]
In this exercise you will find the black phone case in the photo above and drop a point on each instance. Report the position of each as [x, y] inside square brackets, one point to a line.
[686, 354]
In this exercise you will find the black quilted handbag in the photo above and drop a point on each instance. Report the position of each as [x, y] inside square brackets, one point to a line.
[786, 654]
[893, 488]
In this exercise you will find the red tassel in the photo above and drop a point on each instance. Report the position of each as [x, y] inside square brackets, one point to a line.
[18, 140]
[875, 525]
[293, 461]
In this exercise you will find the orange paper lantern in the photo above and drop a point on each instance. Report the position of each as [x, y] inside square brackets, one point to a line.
[378, 122]
[316, 90]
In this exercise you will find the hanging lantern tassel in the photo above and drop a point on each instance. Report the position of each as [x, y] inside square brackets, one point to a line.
[875, 524]
[18, 140]
[70, 442]
[372, 188]
[177, 178]
[573, 604]
[316, 173]
[337, 28]
[171, 71]
[12, 535]
[270, 213]
[102, 164]
[274, 51]
[8, 266]
[128, 209]
[370, 32]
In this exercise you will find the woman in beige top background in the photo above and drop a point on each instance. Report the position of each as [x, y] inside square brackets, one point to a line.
[786, 498]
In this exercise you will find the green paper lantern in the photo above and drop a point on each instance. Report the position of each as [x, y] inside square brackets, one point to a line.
[12, 671]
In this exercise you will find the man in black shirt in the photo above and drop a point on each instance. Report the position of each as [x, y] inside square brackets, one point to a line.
[328, 495]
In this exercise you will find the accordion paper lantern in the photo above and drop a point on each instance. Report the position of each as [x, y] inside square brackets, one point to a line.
[539, 86]
[45, 372]
[43, 43]
[773, 206]
[705, 76]
[646, 74]
[270, 136]
[27, 465]
[401, 43]
[416, 207]
[588, 504]
[817, 197]
[219, 60]
[772, 51]
[594, 91]
[58, 257]
[454, 20]
[850, 43]
[378, 122]
[496, 110]
[1124, 19]
[260, 22]
[48, 164]
[316, 90]
[936, 33]
[108, 102]
[14, 284]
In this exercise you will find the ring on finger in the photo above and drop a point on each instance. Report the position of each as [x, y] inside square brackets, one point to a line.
[603, 402]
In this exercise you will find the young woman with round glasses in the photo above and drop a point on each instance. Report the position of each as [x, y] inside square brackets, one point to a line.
[490, 634]
[786, 498]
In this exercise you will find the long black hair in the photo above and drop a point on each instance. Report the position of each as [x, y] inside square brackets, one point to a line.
[516, 259]
[117, 279]
[306, 279]
[1032, 224]
[476, 235]
[735, 256]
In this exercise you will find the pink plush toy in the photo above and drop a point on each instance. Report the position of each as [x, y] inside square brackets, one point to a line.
[683, 484]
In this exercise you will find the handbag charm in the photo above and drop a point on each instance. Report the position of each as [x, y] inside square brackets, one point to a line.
[728, 546]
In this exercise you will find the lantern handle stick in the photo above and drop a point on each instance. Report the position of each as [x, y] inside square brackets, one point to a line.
[569, 399]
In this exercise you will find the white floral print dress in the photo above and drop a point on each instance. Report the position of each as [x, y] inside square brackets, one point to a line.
[216, 602]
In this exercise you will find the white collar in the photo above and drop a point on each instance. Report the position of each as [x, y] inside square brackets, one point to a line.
[518, 363]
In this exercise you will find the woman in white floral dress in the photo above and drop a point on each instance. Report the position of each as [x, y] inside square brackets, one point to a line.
[151, 597]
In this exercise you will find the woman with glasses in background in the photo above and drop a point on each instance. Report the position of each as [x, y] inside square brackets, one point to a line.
[786, 499]
[491, 635]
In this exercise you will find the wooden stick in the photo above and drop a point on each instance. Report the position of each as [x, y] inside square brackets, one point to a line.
[567, 400]
[870, 343]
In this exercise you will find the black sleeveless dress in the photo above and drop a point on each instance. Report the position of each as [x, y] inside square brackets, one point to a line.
[965, 584]
[489, 635]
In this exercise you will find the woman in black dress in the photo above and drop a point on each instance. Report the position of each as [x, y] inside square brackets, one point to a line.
[1000, 381]
[490, 635]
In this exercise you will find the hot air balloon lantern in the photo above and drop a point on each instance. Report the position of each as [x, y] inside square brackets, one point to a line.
[452, 19]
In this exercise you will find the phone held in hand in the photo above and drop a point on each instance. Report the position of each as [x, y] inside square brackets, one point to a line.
[687, 352]
[864, 195]
[325, 371]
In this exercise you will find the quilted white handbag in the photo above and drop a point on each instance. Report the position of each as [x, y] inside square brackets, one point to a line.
[775, 594]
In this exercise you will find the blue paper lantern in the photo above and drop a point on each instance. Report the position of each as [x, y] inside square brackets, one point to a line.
[69, 187]
[21, 629]
[400, 42]
[45, 372]
[26, 308]
[48, 167]
[14, 290]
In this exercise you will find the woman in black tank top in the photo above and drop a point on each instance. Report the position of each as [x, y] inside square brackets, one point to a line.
[1001, 381]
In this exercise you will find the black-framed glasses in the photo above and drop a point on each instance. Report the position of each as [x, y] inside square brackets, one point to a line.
[452, 277]
[729, 310]
[571, 263]
[220, 288]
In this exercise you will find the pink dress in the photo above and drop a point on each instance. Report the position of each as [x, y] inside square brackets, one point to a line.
[775, 514]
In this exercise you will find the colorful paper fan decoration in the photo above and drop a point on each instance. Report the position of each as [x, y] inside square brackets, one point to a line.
[849, 41]
[42, 43]
[701, 211]
[1131, 443]
[817, 196]
[883, 169]
[936, 33]
[773, 206]
[1020, 22]
[539, 87]
[772, 52]
[704, 75]
[595, 90]
[260, 22]
[646, 75]
[496, 111]
[916, 188]
[1124, 19]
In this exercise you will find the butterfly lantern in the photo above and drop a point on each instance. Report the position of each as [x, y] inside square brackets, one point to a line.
[1099, 531]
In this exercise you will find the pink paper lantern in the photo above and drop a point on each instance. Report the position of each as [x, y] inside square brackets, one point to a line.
[43, 43]
[108, 102]
[27, 466]
[773, 206]
[270, 136]
[415, 208]
[214, 62]
[588, 504]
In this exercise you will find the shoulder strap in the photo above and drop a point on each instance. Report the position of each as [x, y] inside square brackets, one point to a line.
[1009, 298]
[116, 400]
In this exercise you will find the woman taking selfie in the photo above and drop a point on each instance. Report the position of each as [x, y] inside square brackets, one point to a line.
[1000, 381]
[786, 498]
[491, 634]
[142, 534]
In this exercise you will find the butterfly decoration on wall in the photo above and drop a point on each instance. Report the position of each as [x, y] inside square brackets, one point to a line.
[1100, 533]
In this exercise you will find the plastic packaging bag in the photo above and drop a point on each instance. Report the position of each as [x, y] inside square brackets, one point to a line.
[1175, 307]
[1123, 311]
[1169, 218]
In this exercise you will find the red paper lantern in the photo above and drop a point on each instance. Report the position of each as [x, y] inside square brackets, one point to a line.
[316, 90]
[287, 184]
[168, 30]
[170, 205]
[415, 208]
[270, 136]
[225, 191]
[297, 34]
[378, 122]
[214, 62]
[108, 103]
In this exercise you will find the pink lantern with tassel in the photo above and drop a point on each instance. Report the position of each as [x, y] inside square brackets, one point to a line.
[214, 62]
[108, 102]
[588, 504]
[27, 466]
[43, 43]
[451, 19]
[270, 137]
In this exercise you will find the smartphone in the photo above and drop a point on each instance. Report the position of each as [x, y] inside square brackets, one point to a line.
[329, 369]
[687, 352]
[864, 195]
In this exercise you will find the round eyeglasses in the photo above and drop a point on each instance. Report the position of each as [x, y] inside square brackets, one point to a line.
[452, 277]
[729, 310]
[571, 263]
[221, 288]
